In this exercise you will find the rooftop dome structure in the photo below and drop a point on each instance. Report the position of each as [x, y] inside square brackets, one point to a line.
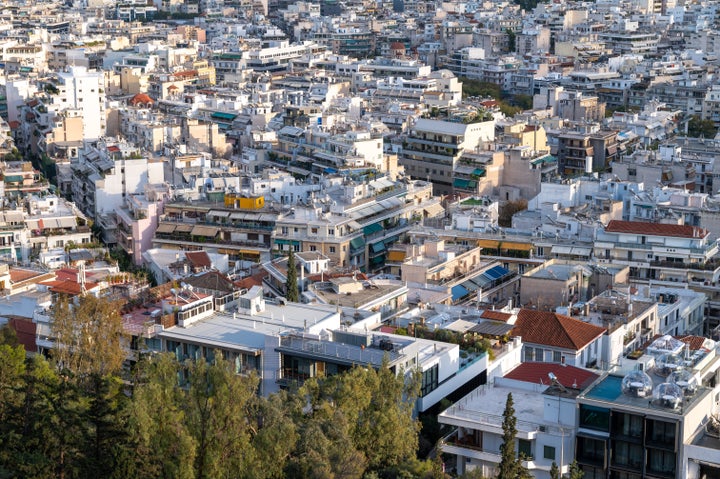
[667, 363]
[637, 384]
[685, 380]
[666, 344]
[668, 395]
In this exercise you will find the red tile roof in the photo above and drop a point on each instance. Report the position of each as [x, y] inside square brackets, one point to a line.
[250, 281]
[25, 331]
[198, 259]
[555, 330]
[68, 286]
[496, 315]
[693, 342]
[656, 229]
[537, 373]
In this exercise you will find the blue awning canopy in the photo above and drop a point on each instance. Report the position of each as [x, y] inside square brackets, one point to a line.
[459, 292]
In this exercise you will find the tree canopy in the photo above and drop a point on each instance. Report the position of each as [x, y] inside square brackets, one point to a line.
[199, 419]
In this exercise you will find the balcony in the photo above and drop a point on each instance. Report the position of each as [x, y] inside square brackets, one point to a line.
[467, 447]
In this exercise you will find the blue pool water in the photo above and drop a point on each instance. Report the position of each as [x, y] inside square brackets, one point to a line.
[606, 390]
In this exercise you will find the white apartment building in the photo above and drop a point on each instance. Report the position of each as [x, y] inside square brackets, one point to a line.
[83, 90]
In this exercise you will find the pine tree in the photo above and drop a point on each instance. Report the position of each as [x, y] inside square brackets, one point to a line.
[554, 471]
[291, 284]
[508, 462]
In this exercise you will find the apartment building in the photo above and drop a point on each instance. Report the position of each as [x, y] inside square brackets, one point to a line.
[669, 252]
[433, 149]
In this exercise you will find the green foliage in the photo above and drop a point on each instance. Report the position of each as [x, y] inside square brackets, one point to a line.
[8, 336]
[291, 282]
[199, 419]
[698, 127]
[511, 39]
[482, 89]
[508, 210]
[575, 472]
[554, 471]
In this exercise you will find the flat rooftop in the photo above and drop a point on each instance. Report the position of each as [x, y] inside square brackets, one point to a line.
[560, 272]
[608, 390]
[487, 403]
[371, 291]
[242, 331]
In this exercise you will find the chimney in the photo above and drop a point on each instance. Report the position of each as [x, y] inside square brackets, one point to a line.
[587, 309]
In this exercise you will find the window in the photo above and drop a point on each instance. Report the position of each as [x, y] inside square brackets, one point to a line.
[627, 454]
[549, 452]
[596, 418]
[525, 448]
[313, 248]
[661, 433]
[661, 462]
[627, 425]
[331, 231]
[332, 249]
[590, 450]
[429, 381]
[314, 230]
[556, 356]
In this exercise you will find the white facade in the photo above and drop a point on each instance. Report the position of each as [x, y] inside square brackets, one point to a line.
[82, 90]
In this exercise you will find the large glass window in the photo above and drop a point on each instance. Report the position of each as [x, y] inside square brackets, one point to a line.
[661, 462]
[661, 433]
[627, 454]
[627, 425]
[590, 450]
[429, 381]
[596, 418]
[590, 472]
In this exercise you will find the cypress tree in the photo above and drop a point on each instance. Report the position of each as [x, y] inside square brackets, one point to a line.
[291, 284]
[508, 462]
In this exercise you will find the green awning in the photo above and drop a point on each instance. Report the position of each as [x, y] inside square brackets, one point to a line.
[284, 241]
[224, 116]
[377, 247]
[14, 179]
[377, 260]
[479, 171]
[391, 239]
[372, 229]
[357, 243]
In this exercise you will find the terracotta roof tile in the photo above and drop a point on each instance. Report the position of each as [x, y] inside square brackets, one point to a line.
[537, 373]
[657, 229]
[496, 315]
[555, 330]
[199, 259]
[693, 342]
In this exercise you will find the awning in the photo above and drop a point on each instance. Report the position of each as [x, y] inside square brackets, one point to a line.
[377, 247]
[223, 115]
[390, 240]
[16, 217]
[479, 171]
[460, 183]
[209, 231]
[165, 228]
[67, 222]
[372, 229]
[492, 328]
[496, 272]
[433, 210]
[357, 243]
[489, 244]
[14, 179]
[183, 228]
[516, 246]
[396, 256]
[459, 292]
[377, 259]
[218, 213]
[571, 250]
